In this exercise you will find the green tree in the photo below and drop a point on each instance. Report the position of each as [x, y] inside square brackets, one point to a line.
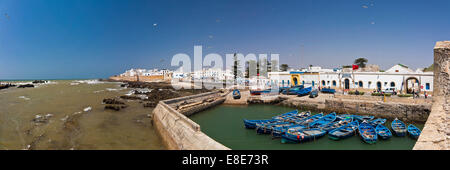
[361, 62]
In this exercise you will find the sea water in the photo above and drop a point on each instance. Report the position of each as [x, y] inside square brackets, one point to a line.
[224, 123]
[90, 126]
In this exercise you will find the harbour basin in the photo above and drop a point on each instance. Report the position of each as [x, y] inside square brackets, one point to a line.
[224, 123]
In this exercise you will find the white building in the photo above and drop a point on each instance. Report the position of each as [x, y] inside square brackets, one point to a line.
[399, 77]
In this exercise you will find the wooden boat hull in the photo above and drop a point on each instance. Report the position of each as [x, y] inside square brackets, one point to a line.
[398, 128]
[383, 132]
[251, 124]
[280, 131]
[323, 121]
[413, 132]
[367, 133]
[289, 138]
[351, 130]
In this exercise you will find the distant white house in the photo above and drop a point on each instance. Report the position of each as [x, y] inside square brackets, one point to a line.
[399, 77]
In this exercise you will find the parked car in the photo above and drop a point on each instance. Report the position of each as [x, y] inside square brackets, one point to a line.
[390, 90]
[314, 94]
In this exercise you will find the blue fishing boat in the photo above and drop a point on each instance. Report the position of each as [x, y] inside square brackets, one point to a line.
[328, 90]
[286, 115]
[277, 132]
[344, 116]
[267, 128]
[259, 92]
[298, 117]
[336, 124]
[304, 92]
[236, 94]
[323, 121]
[344, 132]
[301, 135]
[367, 132]
[413, 131]
[383, 132]
[362, 118]
[398, 127]
[251, 124]
[310, 119]
[378, 121]
[292, 91]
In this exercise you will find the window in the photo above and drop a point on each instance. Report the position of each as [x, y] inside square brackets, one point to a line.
[323, 82]
[427, 86]
[334, 83]
[392, 84]
[360, 84]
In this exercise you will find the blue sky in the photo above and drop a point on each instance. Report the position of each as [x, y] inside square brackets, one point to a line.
[50, 39]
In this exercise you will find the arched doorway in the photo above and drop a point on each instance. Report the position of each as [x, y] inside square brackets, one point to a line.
[379, 86]
[346, 84]
[295, 81]
[360, 84]
[411, 84]
[323, 82]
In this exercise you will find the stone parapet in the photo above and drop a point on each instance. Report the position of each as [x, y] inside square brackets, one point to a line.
[436, 133]
[177, 131]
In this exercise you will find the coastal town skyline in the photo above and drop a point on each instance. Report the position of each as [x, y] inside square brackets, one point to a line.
[98, 39]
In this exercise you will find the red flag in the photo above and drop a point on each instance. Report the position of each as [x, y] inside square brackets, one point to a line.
[355, 67]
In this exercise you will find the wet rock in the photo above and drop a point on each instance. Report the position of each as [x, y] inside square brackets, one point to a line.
[150, 104]
[5, 86]
[25, 86]
[131, 97]
[112, 101]
[115, 107]
[39, 81]
[41, 119]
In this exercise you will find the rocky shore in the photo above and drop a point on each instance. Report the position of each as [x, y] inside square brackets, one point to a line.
[29, 85]
[148, 94]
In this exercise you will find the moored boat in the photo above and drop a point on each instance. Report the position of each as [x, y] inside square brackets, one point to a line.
[398, 127]
[383, 132]
[323, 121]
[236, 94]
[378, 121]
[367, 132]
[413, 131]
[344, 116]
[286, 115]
[267, 128]
[304, 92]
[251, 124]
[344, 131]
[328, 90]
[298, 117]
[361, 118]
[301, 135]
[310, 119]
[281, 130]
[336, 124]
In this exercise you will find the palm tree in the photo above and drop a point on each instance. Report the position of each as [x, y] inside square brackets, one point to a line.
[361, 62]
